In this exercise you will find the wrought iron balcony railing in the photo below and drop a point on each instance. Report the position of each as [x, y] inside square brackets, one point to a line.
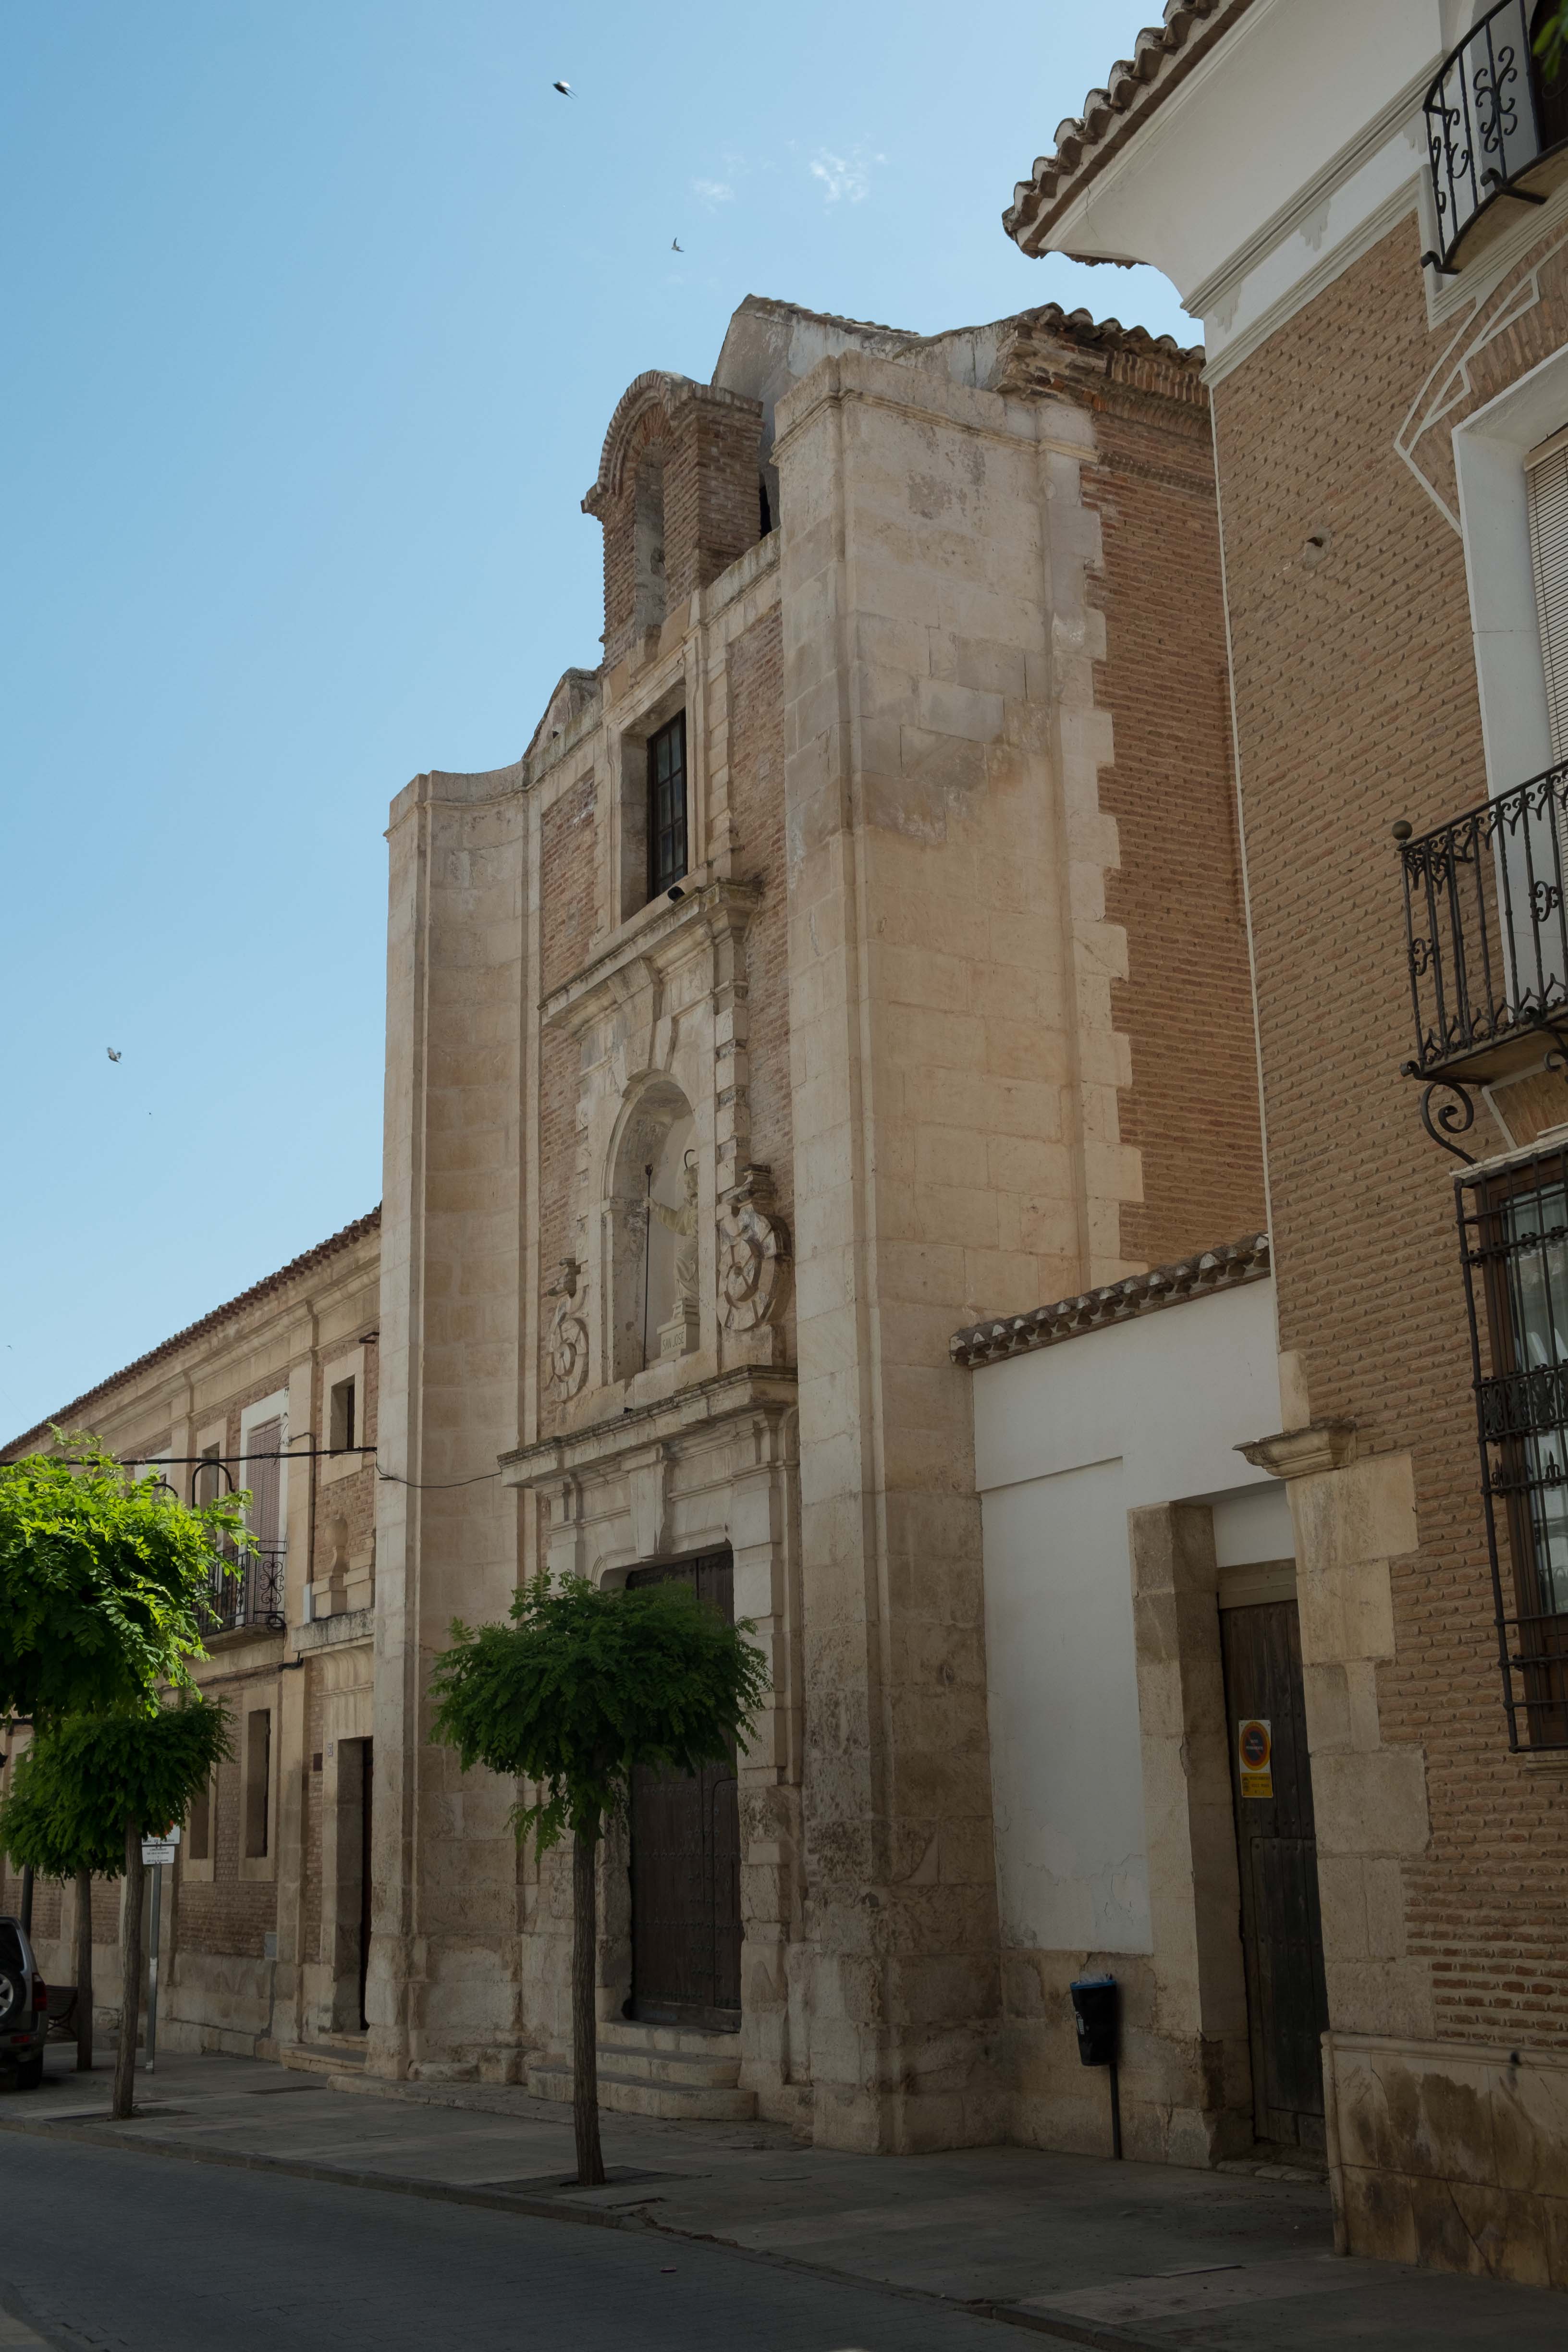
[1487, 934]
[1491, 118]
[248, 1594]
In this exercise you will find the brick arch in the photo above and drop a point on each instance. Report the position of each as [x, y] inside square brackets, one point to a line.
[645, 412]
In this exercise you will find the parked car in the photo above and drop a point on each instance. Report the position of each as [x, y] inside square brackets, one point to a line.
[23, 2008]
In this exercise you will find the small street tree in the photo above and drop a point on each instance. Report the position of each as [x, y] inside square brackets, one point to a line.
[30, 1834]
[103, 1579]
[582, 1689]
[87, 1793]
[102, 1583]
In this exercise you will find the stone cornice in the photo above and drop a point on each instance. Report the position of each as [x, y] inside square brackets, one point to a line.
[651, 948]
[642, 1429]
[1225, 1268]
[1302, 1452]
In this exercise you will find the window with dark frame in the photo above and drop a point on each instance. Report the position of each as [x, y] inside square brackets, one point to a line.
[340, 1417]
[667, 805]
[1513, 1222]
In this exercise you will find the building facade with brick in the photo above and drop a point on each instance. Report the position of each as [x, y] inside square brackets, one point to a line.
[264, 1933]
[856, 953]
[1366, 205]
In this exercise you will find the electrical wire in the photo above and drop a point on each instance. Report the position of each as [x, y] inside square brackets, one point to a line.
[317, 1453]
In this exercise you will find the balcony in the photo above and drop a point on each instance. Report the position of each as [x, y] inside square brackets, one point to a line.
[1487, 935]
[248, 1595]
[1491, 119]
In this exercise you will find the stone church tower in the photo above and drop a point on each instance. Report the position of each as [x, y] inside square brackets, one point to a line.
[855, 952]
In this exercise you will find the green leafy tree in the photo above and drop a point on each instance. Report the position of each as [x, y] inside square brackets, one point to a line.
[102, 1583]
[1551, 43]
[103, 1579]
[89, 1790]
[579, 1691]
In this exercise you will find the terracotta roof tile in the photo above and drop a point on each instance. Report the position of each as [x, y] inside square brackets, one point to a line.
[1225, 1268]
[1163, 57]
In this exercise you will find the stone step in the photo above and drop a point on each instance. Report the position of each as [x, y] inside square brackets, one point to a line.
[628, 2033]
[334, 2055]
[626, 2093]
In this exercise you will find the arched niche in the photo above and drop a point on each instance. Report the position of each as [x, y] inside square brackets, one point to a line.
[648, 1164]
[650, 595]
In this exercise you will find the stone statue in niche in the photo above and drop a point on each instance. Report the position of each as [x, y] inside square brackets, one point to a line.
[566, 1342]
[678, 1335]
[754, 1254]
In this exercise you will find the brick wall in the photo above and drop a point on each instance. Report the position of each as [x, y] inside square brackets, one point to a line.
[1357, 705]
[1185, 1006]
[708, 443]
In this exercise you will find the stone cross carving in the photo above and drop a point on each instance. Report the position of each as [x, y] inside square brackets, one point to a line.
[566, 1342]
[754, 1254]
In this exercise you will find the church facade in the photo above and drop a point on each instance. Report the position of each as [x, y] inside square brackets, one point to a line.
[856, 952]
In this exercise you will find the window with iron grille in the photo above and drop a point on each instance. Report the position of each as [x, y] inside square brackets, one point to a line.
[667, 805]
[1513, 1221]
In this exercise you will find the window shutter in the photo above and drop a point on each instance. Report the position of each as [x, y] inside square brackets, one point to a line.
[1547, 481]
[265, 1482]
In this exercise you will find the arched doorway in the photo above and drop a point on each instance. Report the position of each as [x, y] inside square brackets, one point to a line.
[686, 1864]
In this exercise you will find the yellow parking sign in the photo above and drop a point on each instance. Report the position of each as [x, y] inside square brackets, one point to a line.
[1254, 1754]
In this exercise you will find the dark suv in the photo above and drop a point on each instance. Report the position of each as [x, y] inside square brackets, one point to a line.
[23, 2007]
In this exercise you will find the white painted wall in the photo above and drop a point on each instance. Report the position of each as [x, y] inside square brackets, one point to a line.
[1068, 1441]
[1294, 143]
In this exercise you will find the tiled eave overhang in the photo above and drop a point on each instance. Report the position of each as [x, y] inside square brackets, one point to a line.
[1163, 57]
[1225, 1268]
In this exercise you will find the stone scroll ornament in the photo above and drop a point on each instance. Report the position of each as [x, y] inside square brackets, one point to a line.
[566, 1342]
[753, 1256]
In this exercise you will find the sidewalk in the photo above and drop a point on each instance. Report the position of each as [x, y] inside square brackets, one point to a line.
[1073, 2248]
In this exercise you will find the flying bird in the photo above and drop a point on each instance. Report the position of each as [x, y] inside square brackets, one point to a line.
[564, 88]
[113, 1053]
[676, 245]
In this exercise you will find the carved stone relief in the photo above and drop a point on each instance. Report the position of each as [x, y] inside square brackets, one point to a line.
[754, 1254]
[566, 1342]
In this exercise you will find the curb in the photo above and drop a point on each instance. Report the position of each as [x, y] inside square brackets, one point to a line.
[556, 2208]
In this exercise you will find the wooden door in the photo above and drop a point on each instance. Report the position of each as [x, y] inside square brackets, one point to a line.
[685, 1864]
[1277, 1848]
[366, 1884]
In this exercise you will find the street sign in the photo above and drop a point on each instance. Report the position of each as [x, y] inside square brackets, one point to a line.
[158, 1850]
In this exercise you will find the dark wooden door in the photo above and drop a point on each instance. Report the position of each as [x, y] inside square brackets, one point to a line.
[1277, 1847]
[366, 1884]
[686, 1864]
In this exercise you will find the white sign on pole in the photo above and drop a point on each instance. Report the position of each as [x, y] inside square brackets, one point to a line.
[157, 1850]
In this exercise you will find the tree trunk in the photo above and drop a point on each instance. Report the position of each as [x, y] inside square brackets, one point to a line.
[130, 1976]
[84, 1972]
[585, 2024]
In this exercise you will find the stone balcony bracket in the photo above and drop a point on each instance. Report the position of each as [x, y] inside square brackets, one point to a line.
[1301, 1453]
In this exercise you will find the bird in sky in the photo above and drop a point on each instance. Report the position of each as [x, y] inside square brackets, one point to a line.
[564, 88]
[113, 1053]
[676, 245]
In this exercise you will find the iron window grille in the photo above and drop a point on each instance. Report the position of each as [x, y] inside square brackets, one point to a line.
[667, 805]
[1486, 932]
[1513, 1228]
[247, 1590]
[1491, 118]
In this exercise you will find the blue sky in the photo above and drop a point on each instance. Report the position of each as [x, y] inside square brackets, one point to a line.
[315, 317]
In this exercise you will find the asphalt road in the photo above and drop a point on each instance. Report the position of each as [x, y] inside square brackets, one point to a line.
[136, 2254]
